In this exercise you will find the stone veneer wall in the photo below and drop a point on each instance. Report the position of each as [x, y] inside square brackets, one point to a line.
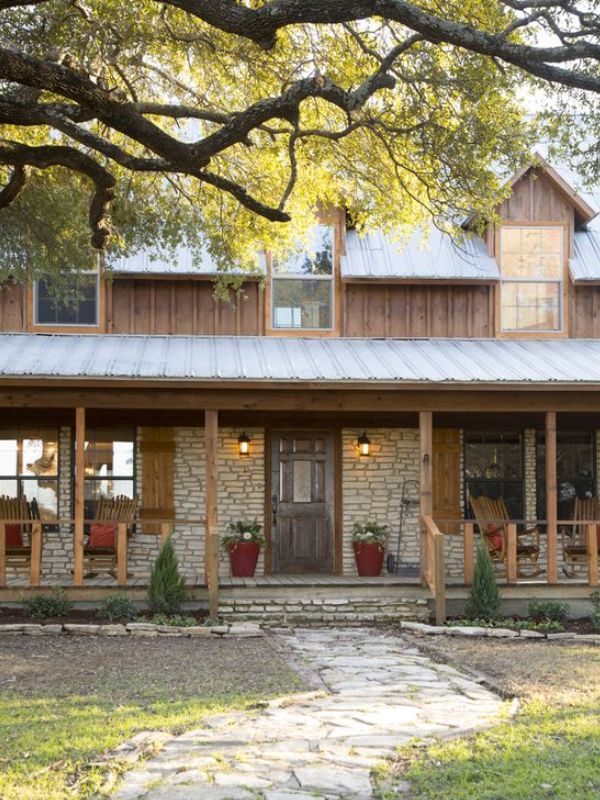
[57, 552]
[372, 488]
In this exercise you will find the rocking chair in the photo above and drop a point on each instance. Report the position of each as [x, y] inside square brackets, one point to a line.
[492, 518]
[100, 552]
[18, 549]
[574, 544]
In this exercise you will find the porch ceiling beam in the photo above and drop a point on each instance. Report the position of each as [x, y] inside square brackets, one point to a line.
[432, 399]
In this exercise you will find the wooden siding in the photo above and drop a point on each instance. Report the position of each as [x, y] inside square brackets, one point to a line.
[420, 310]
[182, 307]
[535, 198]
[585, 312]
[12, 308]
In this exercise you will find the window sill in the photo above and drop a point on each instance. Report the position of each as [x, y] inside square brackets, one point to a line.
[35, 328]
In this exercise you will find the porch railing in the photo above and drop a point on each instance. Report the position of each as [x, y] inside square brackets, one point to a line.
[123, 535]
[434, 567]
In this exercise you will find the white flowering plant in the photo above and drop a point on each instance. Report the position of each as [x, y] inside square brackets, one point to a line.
[243, 532]
[370, 533]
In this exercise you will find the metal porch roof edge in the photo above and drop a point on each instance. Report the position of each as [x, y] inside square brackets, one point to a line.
[299, 361]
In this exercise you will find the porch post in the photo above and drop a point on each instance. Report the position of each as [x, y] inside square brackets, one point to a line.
[211, 431]
[425, 482]
[551, 497]
[79, 496]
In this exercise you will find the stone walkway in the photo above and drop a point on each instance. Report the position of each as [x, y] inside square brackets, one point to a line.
[379, 692]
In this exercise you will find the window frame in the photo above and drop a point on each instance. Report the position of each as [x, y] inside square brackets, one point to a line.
[563, 282]
[487, 438]
[22, 480]
[332, 279]
[562, 438]
[69, 327]
[90, 479]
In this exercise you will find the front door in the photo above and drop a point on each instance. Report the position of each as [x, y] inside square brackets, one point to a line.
[302, 502]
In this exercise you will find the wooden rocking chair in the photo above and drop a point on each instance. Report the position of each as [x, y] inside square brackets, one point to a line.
[574, 543]
[18, 549]
[492, 518]
[109, 514]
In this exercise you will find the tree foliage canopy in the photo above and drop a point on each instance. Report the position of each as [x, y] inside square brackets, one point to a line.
[155, 122]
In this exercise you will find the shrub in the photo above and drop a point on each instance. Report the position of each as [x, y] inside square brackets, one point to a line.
[371, 532]
[549, 611]
[55, 604]
[484, 598]
[166, 590]
[116, 606]
[176, 620]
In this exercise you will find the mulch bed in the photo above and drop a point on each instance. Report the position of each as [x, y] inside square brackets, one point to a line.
[88, 616]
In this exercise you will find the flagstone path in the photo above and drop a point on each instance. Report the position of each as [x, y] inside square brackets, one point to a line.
[379, 692]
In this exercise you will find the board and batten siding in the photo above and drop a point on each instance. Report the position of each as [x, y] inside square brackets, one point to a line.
[585, 312]
[419, 310]
[184, 307]
[12, 308]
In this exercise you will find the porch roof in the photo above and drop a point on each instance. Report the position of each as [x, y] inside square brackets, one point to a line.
[299, 359]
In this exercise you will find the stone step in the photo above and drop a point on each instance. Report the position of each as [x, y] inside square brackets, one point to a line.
[322, 612]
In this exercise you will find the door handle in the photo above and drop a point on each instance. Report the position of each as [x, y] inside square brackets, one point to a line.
[275, 508]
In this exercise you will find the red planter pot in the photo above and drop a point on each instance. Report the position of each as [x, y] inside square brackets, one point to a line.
[243, 557]
[369, 558]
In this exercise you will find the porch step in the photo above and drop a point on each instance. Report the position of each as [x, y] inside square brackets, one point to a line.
[336, 610]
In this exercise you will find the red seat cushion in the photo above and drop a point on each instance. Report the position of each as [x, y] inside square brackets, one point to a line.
[102, 535]
[13, 535]
[494, 537]
[598, 535]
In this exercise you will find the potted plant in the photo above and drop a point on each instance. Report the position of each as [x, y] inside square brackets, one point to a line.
[369, 542]
[243, 543]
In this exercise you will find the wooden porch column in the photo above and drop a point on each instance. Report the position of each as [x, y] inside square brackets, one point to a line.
[79, 496]
[551, 497]
[425, 481]
[211, 444]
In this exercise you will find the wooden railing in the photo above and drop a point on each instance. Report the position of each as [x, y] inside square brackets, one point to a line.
[434, 568]
[37, 535]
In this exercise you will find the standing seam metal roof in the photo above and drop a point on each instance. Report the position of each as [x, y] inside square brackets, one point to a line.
[297, 359]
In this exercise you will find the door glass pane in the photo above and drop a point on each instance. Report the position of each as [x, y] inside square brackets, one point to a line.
[302, 482]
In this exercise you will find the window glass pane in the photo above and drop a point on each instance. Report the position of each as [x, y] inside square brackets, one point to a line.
[109, 452]
[494, 468]
[315, 259]
[78, 307]
[530, 306]
[575, 471]
[45, 493]
[9, 451]
[29, 467]
[531, 252]
[302, 303]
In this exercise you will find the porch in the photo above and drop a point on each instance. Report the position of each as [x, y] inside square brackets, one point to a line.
[211, 476]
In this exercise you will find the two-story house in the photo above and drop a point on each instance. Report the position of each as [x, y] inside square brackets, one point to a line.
[360, 381]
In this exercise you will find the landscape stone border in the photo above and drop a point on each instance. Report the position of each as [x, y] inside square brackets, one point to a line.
[495, 633]
[147, 629]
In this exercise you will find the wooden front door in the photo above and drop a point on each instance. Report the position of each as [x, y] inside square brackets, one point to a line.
[302, 502]
[446, 479]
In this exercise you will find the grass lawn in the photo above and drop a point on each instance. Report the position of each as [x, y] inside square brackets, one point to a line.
[63, 701]
[551, 750]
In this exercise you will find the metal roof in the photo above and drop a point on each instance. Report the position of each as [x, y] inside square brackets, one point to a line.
[585, 261]
[426, 255]
[280, 359]
[182, 262]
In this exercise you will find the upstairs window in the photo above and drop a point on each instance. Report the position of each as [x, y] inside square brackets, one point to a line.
[531, 260]
[77, 307]
[302, 286]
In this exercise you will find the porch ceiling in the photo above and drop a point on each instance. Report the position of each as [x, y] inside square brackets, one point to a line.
[218, 360]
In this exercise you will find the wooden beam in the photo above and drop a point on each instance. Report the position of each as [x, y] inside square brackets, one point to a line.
[79, 496]
[122, 554]
[2, 553]
[468, 553]
[425, 483]
[592, 554]
[511, 553]
[211, 447]
[35, 567]
[303, 397]
[551, 498]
